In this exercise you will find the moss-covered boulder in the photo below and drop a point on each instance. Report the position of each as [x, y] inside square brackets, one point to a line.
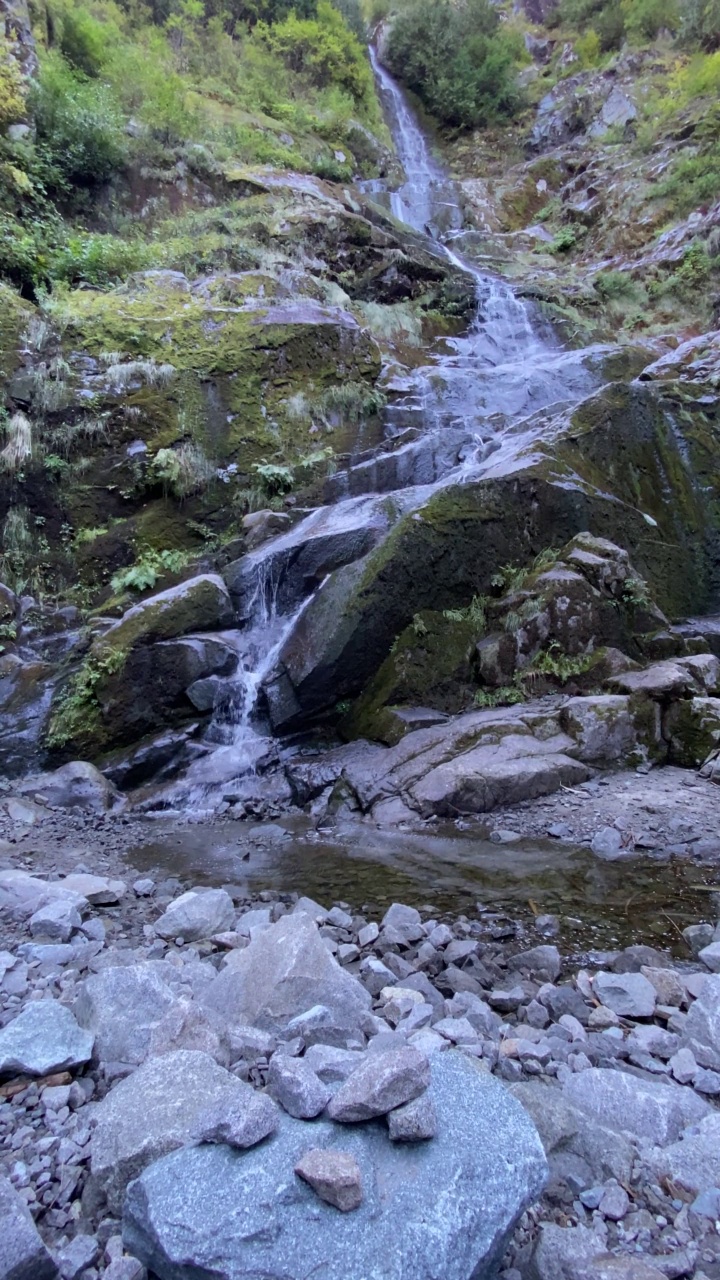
[133, 678]
[627, 465]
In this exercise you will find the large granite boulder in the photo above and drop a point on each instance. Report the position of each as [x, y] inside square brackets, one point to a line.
[122, 1006]
[440, 1208]
[286, 970]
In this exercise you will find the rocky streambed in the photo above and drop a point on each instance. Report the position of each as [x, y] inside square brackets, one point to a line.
[206, 1081]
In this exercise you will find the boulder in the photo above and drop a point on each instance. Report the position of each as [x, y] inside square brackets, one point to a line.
[639, 1108]
[44, 1038]
[100, 891]
[23, 1255]
[197, 914]
[701, 1033]
[286, 970]
[211, 1210]
[76, 785]
[22, 894]
[294, 1084]
[161, 1106]
[122, 1006]
[240, 1119]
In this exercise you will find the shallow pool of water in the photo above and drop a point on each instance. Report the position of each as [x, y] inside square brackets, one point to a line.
[599, 904]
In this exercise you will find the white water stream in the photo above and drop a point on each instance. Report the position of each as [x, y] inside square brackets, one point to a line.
[445, 422]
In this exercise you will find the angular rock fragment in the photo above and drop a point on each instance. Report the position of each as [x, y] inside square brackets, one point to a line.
[23, 1255]
[45, 1037]
[334, 1176]
[415, 1122]
[240, 1120]
[122, 1006]
[197, 914]
[296, 1087]
[382, 1083]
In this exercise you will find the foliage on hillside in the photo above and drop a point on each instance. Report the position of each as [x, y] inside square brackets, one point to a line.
[173, 90]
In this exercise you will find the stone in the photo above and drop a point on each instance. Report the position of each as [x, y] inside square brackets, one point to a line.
[380, 1084]
[23, 894]
[319, 1025]
[126, 1268]
[652, 1039]
[100, 891]
[23, 1255]
[122, 1005]
[284, 971]
[543, 960]
[561, 1252]
[44, 1038]
[614, 1202]
[627, 994]
[640, 1108]
[683, 1066]
[607, 1266]
[81, 1252]
[332, 1064]
[668, 987]
[334, 1176]
[187, 1025]
[415, 1122]
[197, 914]
[293, 1083]
[607, 844]
[702, 1027]
[694, 1161]
[206, 1209]
[55, 921]
[697, 937]
[258, 918]
[240, 1120]
[368, 934]
[151, 1112]
[77, 785]
[710, 956]
[144, 888]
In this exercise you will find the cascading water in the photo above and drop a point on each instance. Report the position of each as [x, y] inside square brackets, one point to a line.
[446, 419]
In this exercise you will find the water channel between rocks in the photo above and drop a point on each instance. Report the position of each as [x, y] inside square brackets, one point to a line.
[599, 904]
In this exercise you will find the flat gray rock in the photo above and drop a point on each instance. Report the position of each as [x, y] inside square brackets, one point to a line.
[639, 1108]
[286, 970]
[155, 1110]
[43, 1038]
[694, 1161]
[197, 914]
[439, 1209]
[23, 1255]
[381, 1083]
[627, 994]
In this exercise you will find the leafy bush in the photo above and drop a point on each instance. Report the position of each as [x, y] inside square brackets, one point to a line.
[322, 50]
[693, 181]
[151, 565]
[79, 126]
[99, 259]
[457, 59]
[645, 19]
[82, 38]
[613, 284]
[701, 23]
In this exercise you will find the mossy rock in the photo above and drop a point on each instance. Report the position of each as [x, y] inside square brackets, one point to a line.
[113, 697]
[430, 666]
[618, 467]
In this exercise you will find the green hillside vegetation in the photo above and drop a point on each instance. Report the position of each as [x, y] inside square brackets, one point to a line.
[169, 91]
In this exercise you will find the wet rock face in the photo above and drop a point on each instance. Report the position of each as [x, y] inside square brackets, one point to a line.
[442, 555]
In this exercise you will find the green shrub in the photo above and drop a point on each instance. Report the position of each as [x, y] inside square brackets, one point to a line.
[457, 59]
[323, 51]
[79, 126]
[83, 39]
[12, 96]
[613, 284]
[99, 259]
[693, 181]
[645, 19]
[701, 23]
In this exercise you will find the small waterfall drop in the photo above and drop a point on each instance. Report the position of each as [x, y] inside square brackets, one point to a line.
[444, 422]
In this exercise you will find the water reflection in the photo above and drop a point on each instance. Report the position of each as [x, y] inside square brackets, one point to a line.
[600, 904]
